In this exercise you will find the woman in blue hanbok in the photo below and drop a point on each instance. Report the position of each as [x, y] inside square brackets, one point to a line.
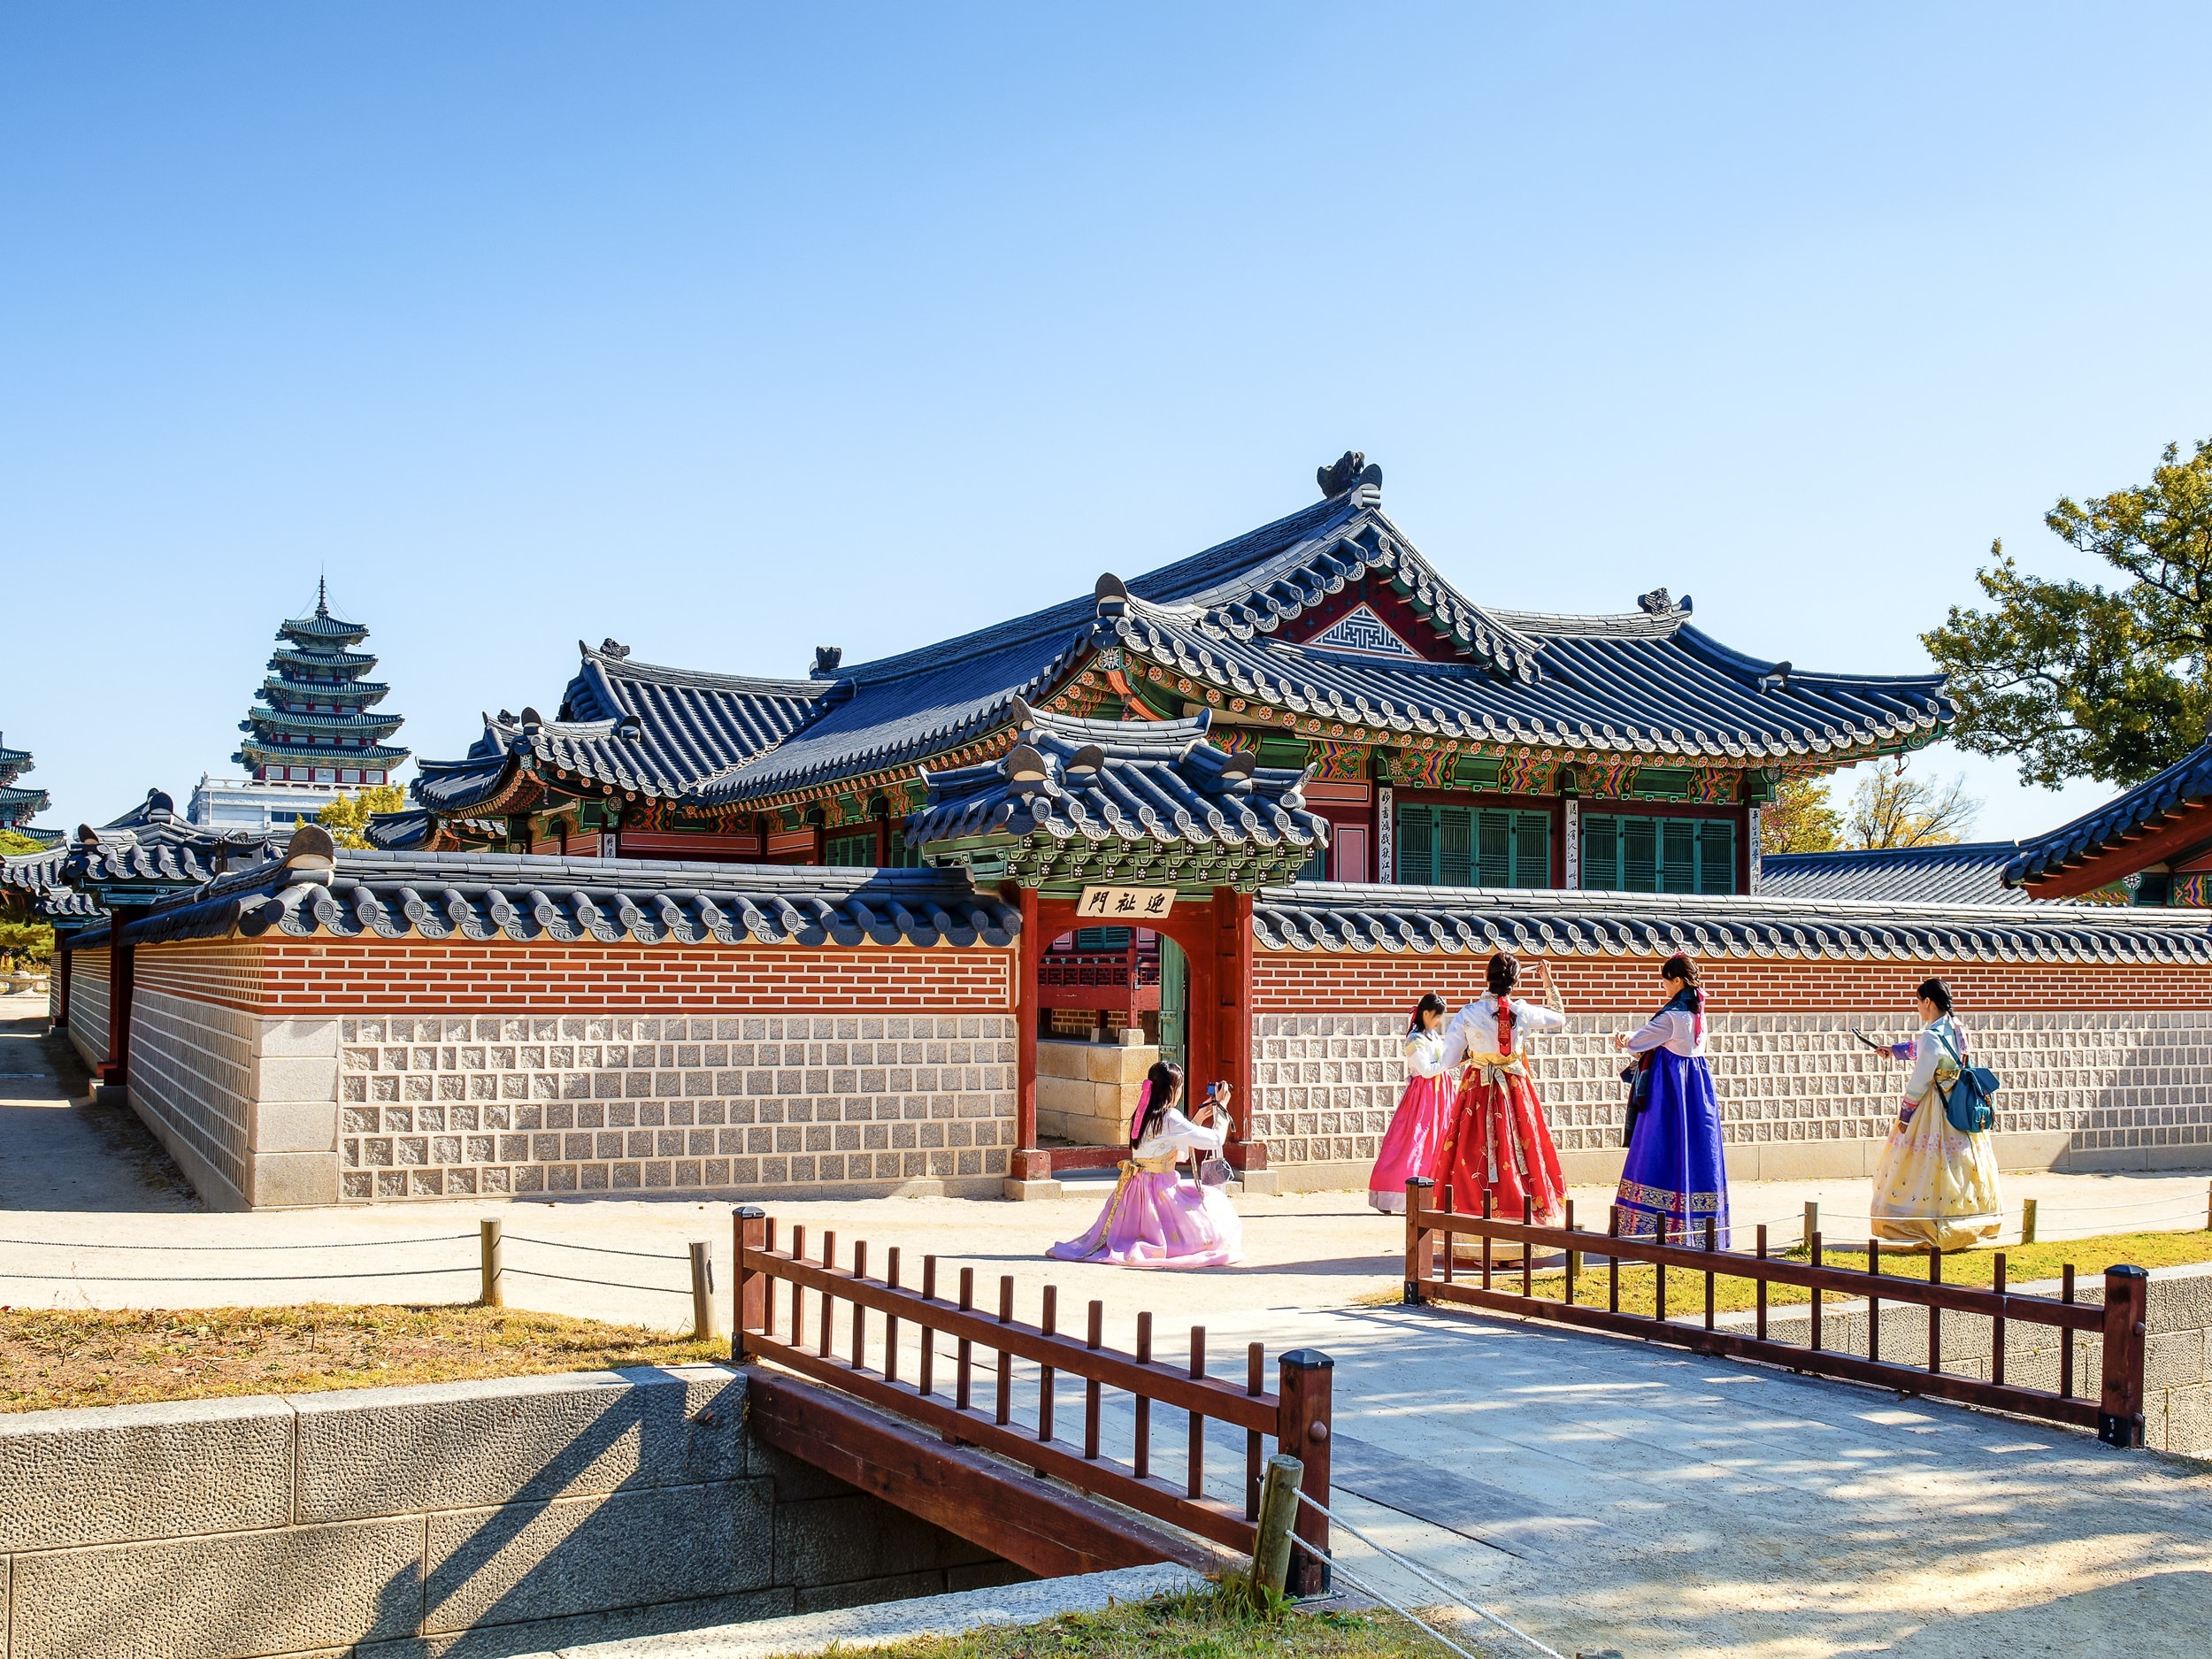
[1675, 1166]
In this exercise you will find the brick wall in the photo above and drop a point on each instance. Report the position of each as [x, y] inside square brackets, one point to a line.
[89, 1003]
[2096, 1074]
[433, 1106]
[305, 1071]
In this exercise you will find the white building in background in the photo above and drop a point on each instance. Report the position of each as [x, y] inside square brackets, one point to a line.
[222, 803]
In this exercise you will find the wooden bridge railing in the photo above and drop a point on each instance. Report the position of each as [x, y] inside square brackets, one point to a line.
[1296, 1417]
[1431, 1274]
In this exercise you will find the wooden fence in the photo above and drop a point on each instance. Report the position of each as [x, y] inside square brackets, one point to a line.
[1296, 1416]
[1432, 1274]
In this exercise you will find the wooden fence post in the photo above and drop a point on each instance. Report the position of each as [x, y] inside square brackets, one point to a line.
[2126, 1307]
[1279, 1511]
[1304, 1384]
[1418, 1252]
[701, 1291]
[493, 1267]
[749, 1232]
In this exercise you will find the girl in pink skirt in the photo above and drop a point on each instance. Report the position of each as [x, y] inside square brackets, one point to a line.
[1155, 1218]
[1424, 1112]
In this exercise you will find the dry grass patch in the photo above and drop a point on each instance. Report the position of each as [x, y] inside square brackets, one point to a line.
[56, 1357]
[1194, 1625]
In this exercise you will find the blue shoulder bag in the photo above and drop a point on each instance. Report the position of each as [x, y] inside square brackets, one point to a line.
[1969, 1102]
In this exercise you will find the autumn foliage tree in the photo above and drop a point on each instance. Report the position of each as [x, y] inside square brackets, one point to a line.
[347, 818]
[1893, 808]
[1800, 817]
[2076, 678]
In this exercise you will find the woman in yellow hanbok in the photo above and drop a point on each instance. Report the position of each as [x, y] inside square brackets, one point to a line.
[1936, 1186]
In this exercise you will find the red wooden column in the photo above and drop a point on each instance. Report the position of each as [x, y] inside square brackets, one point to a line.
[1028, 1163]
[1233, 1025]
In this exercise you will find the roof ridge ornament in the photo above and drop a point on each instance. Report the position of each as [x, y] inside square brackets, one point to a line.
[1112, 594]
[1346, 471]
[1657, 603]
[827, 658]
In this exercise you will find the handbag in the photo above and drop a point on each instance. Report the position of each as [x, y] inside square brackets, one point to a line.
[1215, 1170]
[1637, 1075]
[1968, 1102]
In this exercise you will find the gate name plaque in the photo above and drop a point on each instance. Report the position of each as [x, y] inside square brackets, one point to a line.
[1126, 904]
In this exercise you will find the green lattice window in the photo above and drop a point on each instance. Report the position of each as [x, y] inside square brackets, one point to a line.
[1658, 855]
[1473, 846]
[851, 852]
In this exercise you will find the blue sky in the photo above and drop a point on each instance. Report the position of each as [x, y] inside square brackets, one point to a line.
[728, 332]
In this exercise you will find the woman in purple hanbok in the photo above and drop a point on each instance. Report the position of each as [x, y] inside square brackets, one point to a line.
[1155, 1218]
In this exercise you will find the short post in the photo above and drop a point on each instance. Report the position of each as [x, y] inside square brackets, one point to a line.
[1812, 1222]
[2027, 1221]
[2126, 1309]
[1304, 1383]
[1279, 1512]
[489, 1245]
[1417, 1250]
[749, 1232]
[702, 1292]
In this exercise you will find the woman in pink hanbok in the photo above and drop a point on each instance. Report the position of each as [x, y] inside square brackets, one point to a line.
[1415, 1136]
[1155, 1218]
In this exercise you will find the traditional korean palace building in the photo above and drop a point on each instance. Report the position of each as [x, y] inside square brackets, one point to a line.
[18, 805]
[313, 733]
[918, 924]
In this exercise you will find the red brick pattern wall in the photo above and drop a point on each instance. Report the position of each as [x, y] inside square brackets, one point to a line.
[225, 973]
[305, 976]
[1298, 982]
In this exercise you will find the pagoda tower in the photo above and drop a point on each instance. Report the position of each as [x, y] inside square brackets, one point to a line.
[314, 724]
[18, 807]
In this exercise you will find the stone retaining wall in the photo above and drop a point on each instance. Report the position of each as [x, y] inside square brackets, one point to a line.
[530, 1513]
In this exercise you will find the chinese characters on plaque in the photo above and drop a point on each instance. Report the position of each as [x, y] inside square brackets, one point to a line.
[1124, 904]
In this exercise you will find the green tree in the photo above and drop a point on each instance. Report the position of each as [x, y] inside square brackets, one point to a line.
[2076, 679]
[348, 817]
[25, 942]
[1799, 819]
[13, 844]
[1893, 809]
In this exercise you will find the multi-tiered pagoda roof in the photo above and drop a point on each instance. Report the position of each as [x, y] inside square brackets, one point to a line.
[19, 806]
[1324, 640]
[314, 722]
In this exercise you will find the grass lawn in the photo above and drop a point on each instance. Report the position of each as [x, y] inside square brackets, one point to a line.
[1198, 1625]
[2024, 1264]
[52, 1357]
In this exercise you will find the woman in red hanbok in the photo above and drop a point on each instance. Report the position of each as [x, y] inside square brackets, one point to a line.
[1498, 1143]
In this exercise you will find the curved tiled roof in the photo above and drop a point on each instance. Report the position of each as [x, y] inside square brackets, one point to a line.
[1966, 872]
[259, 717]
[606, 901]
[366, 691]
[639, 727]
[325, 660]
[2187, 781]
[251, 752]
[1642, 685]
[1335, 918]
[1101, 798]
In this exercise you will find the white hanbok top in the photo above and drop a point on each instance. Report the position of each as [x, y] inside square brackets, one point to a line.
[1424, 1054]
[1176, 1133]
[1673, 1028]
[1931, 1064]
[1474, 1029]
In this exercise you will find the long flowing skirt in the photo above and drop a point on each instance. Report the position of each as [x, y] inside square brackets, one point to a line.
[1410, 1146]
[1936, 1186]
[1499, 1144]
[1675, 1165]
[1160, 1220]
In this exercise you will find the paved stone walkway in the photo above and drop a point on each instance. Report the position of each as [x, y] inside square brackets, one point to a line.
[1734, 1510]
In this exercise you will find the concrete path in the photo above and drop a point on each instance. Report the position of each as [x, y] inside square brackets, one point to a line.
[1696, 1506]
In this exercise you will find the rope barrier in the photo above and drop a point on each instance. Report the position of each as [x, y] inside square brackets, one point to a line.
[173, 1249]
[600, 1250]
[231, 1279]
[612, 1284]
[1384, 1550]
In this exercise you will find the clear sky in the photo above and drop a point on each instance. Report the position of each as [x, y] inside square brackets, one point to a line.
[728, 331]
